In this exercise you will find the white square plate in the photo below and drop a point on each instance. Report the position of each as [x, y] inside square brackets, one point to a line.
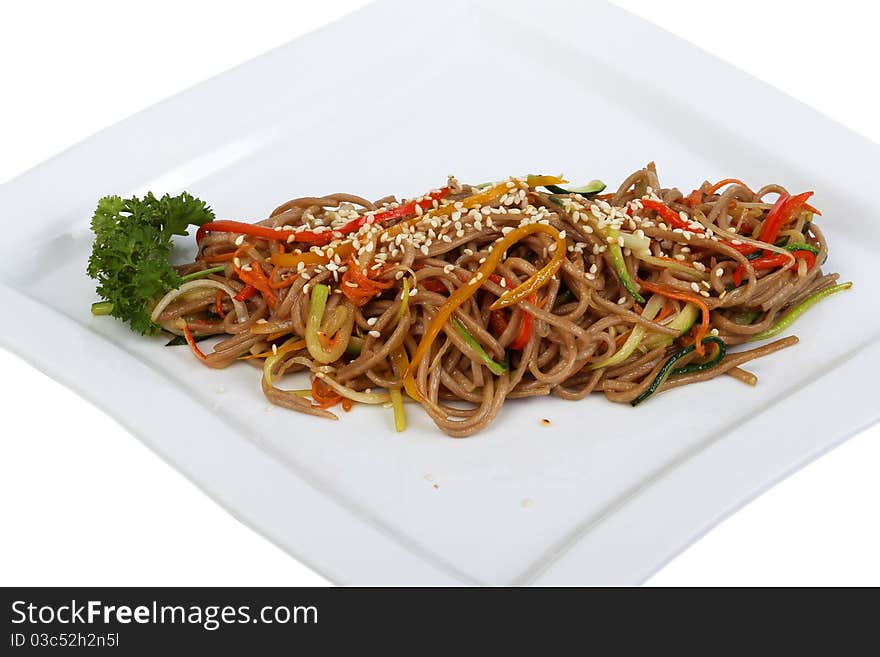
[387, 101]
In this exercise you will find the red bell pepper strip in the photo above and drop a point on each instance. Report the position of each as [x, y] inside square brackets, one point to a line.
[433, 285]
[187, 333]
[246, 293]
[674, 219]
[399, 212]
[785, 208]
[772, 262]
[498, 321]
[668, 215]
[225, 226]
[527, 326]
[325, 236]
[781, 213]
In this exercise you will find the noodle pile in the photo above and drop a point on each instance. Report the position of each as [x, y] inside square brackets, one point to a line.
[470, 296]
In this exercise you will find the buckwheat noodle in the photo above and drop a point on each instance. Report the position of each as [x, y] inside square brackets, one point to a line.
[619, 313]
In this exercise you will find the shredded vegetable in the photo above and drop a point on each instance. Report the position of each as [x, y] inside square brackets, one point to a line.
[792, 315]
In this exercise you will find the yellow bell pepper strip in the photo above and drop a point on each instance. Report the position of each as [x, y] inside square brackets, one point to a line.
[400, 362]
[544, 181]
[464, 292]
[541, 277]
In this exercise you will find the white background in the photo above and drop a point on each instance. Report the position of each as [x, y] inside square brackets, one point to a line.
[83, 502]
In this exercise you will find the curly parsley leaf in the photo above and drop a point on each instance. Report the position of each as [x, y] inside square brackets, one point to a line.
[130, 256]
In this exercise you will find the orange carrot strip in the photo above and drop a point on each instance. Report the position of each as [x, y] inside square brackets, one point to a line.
[672, 293]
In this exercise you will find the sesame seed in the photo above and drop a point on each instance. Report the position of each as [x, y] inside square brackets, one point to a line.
[621, 301]
[719, 272]
[371, 321]
[695, 287]
[375, 334]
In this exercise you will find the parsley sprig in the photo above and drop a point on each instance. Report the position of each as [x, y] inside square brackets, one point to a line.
[130, 256]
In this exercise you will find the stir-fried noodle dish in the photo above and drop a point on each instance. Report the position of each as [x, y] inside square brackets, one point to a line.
[473, 295]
